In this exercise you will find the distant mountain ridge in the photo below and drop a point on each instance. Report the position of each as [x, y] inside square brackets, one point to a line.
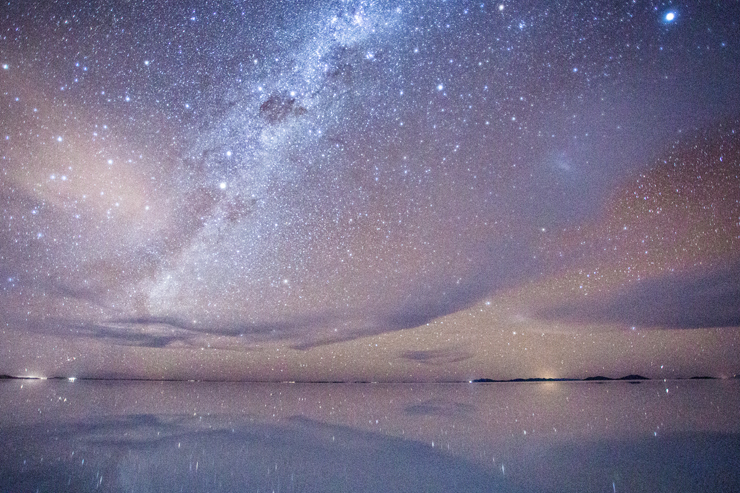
[598, 378]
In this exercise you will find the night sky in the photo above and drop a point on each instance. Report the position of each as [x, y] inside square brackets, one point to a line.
[369, 190]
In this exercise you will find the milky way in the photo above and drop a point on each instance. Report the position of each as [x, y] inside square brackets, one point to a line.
[251, 178]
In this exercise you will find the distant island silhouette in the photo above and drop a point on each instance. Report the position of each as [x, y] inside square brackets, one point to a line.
[598, 378]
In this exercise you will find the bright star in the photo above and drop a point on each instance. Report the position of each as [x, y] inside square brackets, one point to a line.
[670, 17]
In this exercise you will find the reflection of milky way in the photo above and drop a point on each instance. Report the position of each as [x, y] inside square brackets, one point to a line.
[269, 173]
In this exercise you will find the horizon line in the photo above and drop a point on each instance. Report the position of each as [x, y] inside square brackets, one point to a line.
[596, 378]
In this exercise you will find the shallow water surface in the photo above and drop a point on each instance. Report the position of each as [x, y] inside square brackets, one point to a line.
[513, 437]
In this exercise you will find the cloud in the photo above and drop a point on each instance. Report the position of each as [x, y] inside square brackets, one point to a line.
[439, 356]
[699, 299]
[152, 335]
[312, 456]
[436, 407]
